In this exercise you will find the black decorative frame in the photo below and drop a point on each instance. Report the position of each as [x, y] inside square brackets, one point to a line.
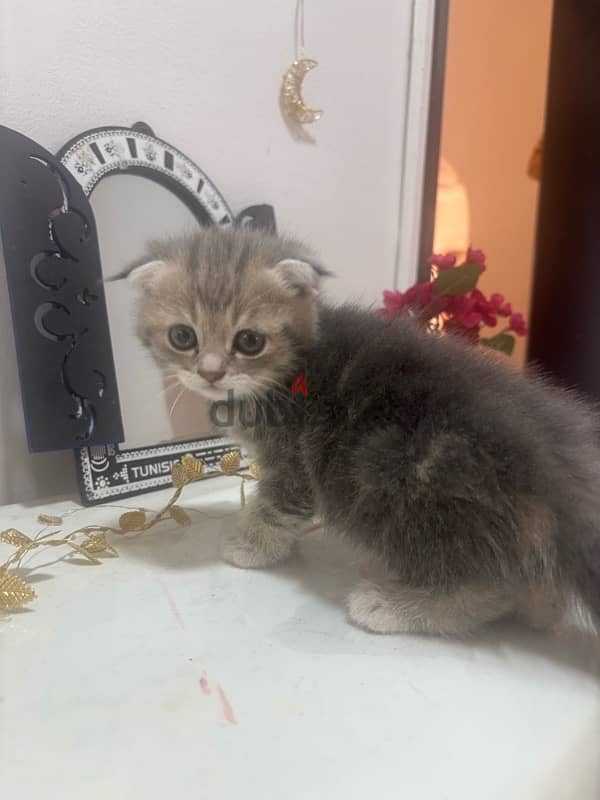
[106, 472]
[50, 244]
[54, 277]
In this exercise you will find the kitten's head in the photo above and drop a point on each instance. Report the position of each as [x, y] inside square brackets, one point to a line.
[227, 309]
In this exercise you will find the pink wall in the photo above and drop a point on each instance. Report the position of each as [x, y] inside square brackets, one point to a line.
[493, 116]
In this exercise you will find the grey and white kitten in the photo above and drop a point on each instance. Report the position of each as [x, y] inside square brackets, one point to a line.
[475, 488]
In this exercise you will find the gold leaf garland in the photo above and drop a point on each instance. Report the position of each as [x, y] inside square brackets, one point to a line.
[14, 591]
[97, 544]
[16, 538]
[180, 516]
[48, 519]
[230, 463]
[91, 541]
[194, 468]
[132, 521]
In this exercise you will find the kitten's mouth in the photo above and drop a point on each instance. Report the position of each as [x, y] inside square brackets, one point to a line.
[212, 392]
[220, 390]
[228, 389]
[200, 386]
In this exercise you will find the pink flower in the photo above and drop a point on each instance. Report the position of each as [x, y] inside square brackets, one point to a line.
[476, 257]
[501, 307]
[442, 261]
[420, 295]
[462, 310]
[473, 309]
[393, 302]
[485, 307]
[417, 298]
[518, 324]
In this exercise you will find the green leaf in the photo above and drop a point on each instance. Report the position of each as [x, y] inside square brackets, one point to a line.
[458, 280]
[433, 309]
[503, 342]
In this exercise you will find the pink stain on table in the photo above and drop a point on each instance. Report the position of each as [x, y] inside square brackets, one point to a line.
[173, 606]
[228, 711]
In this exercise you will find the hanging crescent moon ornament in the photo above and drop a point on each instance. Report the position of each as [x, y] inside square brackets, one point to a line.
[291, 93]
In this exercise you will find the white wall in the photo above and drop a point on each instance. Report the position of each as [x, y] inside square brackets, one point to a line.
[206, 76]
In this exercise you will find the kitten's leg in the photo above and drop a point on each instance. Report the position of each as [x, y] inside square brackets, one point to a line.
[263, 537]
[541, 607]
[390, 607]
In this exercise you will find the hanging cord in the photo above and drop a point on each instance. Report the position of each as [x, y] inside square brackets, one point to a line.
[299, 30]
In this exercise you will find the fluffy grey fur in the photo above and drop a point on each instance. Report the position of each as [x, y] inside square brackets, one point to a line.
[475, 488]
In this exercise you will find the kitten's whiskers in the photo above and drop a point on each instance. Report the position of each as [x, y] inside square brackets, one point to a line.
[177, 399]
[168, 387]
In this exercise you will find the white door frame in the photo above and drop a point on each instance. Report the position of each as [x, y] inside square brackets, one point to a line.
[420, 150]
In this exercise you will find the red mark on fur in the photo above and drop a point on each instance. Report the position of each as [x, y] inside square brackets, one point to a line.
[203, 683]
[299, 385]
[172, 606]
[228, 712]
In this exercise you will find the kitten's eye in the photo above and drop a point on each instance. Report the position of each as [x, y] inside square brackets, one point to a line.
[249, 343]
[182, 337]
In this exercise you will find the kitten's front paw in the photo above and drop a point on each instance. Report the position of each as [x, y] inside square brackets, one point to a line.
[254, 553]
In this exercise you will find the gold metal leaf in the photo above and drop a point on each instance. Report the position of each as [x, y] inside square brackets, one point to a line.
[82, 552]
[179, 476]
[14, 592]
[230, 462]
[14, 537]
[132, 521]
[254, 470]
[48, 519]
[180, 516]
[97, 545]
[193, 467]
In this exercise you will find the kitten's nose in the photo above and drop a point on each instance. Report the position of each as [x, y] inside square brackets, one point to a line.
[211, 375]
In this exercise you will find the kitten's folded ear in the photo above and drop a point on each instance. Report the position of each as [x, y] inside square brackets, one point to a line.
[142, 274]
[299, 276]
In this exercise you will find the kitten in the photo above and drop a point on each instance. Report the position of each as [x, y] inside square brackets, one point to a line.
[475, 488]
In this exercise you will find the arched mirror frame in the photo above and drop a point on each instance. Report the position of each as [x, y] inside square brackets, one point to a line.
[108, 471]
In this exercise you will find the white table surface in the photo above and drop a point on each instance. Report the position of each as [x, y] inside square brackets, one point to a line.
[165, 673]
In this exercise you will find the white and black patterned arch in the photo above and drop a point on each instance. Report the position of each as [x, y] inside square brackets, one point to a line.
[105, 151]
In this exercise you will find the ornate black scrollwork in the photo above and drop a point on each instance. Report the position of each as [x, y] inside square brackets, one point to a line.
[54, 276]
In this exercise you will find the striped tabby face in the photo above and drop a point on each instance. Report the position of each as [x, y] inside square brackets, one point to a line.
[227, 310]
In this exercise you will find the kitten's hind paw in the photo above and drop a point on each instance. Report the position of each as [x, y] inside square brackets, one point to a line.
[371, 608]
[394, 608]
